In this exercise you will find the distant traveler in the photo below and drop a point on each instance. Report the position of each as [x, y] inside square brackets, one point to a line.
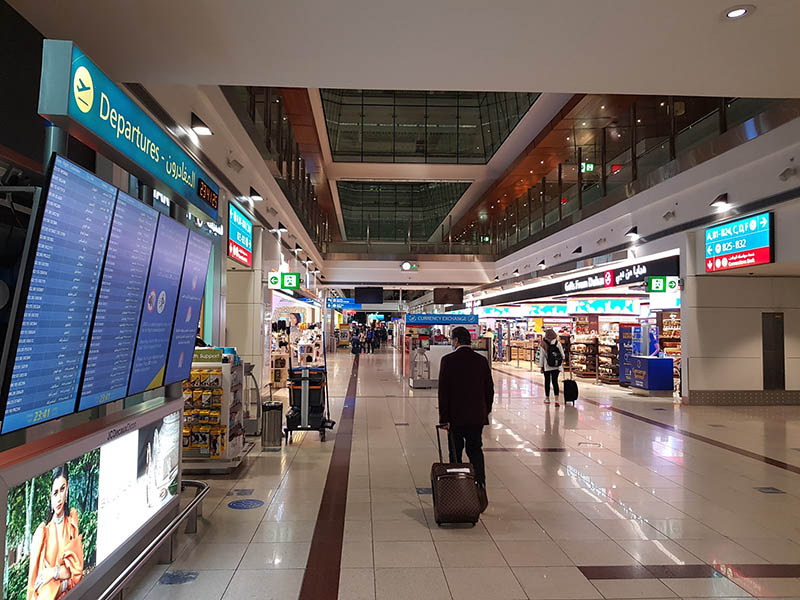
[370, 347]
[551, 359]
[466, 393]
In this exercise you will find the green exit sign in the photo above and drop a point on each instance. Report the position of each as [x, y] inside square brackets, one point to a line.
[587, 167]
[484, 239]
[283, 281]
[662, 284]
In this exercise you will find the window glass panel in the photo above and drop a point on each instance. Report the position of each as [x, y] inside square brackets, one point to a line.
[410, 133]
[442, 134]
[378, 133]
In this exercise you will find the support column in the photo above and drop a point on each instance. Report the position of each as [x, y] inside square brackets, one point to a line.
[245, 308]
[55, 140]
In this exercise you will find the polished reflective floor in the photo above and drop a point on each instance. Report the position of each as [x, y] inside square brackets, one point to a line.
[614, 498]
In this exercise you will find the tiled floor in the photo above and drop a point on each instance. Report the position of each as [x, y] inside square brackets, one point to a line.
[608, 499]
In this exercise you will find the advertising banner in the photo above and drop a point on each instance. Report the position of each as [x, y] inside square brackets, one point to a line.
[64, 522]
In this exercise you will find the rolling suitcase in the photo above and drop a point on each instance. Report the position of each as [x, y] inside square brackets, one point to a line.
[455, 494]
[570, 387]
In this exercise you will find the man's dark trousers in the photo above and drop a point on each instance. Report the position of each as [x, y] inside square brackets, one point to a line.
[471, 439]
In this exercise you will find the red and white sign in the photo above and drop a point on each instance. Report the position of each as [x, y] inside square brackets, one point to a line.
[239, 254]
[737, 260]
[608, 279]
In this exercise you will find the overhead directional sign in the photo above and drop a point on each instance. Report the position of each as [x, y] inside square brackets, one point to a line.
[76, 95]
[662, 284]
[342, 303]
[742, 243]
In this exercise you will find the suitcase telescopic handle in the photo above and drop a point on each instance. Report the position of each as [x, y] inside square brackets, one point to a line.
[439, 443]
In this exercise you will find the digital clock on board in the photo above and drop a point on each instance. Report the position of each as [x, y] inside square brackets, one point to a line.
[205, 192]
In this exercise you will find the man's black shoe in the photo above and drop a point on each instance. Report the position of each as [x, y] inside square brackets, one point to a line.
[482, 497]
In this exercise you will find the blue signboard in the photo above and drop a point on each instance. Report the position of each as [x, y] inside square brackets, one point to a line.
[440, 319]
[161, 295]
[240, 237]
[742, 243]
[119, 303]
[187, 314]
[342, 303]
[90, 99]
[63, 287]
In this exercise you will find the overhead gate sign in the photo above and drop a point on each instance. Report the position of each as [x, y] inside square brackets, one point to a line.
[742, 243]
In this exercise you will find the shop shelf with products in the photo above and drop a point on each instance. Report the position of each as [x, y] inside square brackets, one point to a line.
[584, 355]
[279, 362]
[608, 359]
[669, 328]
[213, 432]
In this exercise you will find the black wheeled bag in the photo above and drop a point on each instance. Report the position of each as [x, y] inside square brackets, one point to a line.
[455, 494]
[570, 388]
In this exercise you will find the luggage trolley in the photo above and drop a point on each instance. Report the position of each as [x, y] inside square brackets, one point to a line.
[309, 408]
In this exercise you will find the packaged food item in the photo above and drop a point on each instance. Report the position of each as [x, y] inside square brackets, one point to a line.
[204, 377]
[194, 377]
[197, 397]
[216, 397]
[187, 395]
[214, 416]
[215, 442]
[206, 398]
[214, 378]
[187, 437]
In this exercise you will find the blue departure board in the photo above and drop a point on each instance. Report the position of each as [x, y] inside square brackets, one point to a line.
[119, 303]
[158, 312]
[190, 300]
[61, 297]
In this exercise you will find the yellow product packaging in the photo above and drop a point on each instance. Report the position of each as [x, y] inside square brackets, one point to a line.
[187, 394]
[206, 398]
[214, 378]
[216, 397]
[204, 378]
[214, 416]
[194, 377]
[197, 397]
[187, 437]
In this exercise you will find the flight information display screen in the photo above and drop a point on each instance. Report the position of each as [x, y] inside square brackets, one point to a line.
[190, 300]
[161, 296]
[60, 301]
[119, 303]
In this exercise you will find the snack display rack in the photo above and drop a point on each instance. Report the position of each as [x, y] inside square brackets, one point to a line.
[583, 355]
[608, 359]
[213, 431]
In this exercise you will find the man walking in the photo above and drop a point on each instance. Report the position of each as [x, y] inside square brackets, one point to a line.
[466, 393]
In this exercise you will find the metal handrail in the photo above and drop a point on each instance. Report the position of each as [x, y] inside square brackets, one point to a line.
[119, 583]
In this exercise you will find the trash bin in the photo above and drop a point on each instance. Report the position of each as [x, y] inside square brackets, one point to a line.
[271, 424]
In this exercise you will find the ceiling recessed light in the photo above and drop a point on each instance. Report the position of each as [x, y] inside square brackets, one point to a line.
[737, 12]
[567, 138]
[531, 170]
[602, 107]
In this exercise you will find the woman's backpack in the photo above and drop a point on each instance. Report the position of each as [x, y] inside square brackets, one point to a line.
[554, 358]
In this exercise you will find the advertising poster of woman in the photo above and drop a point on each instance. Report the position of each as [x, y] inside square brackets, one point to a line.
[51, 540]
